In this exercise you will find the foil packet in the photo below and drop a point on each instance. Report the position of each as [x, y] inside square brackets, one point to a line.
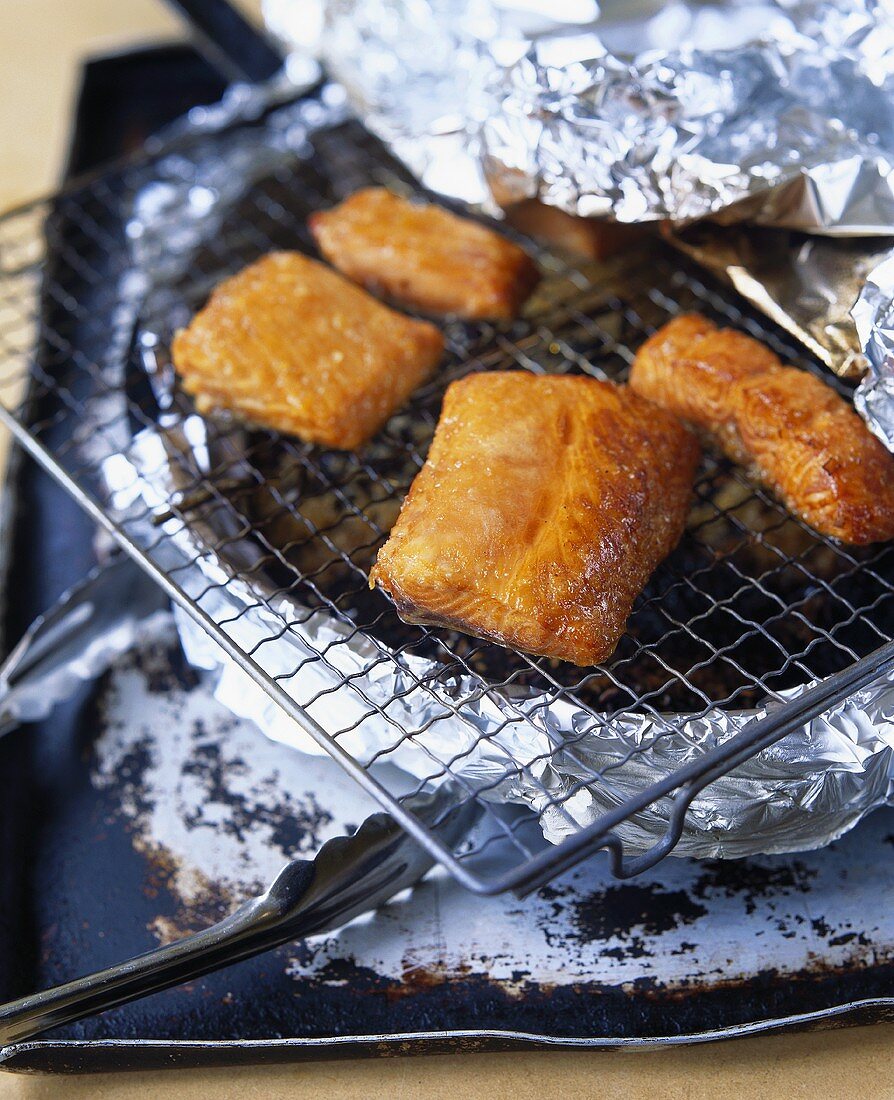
[754, 114]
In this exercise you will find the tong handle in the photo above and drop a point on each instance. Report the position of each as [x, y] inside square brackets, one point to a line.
[88, 627]
[347, 877]
[253, 927]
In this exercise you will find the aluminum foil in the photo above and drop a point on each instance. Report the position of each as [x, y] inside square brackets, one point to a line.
[795, 130]
[774, 113]
[806, 284]
[567, 765]
[874, 318]
[757, 113]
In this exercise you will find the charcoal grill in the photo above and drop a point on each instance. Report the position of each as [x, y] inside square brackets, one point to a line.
[752, 602]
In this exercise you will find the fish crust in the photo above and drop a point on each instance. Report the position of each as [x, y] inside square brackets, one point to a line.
[542, 509]
[792, 432]
[288, 344]
[423, 256]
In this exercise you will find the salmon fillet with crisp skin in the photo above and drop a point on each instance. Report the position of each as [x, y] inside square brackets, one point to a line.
[792, 432]
[291, 345]
[542, 510]
[423, 256]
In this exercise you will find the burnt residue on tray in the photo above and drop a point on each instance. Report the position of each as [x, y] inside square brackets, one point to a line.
[189, 816]
[752, 880]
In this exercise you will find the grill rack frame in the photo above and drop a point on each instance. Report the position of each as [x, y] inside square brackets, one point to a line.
[542, 866]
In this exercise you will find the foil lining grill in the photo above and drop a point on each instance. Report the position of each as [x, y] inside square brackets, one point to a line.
[753, 627]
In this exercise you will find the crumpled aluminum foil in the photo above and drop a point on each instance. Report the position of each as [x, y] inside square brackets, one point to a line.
[781, 130]
[782, 112]
[799, 794]
[874, 318]
[762, 113]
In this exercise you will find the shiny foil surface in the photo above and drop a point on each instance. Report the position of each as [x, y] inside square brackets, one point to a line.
[567, 765]
[806, 284]
[874, 318]
[773, 113]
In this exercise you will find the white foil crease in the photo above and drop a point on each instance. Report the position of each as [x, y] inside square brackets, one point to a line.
[799, 794]
[874, 318]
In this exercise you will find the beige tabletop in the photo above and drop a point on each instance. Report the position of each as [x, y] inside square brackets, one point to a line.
[41, 43]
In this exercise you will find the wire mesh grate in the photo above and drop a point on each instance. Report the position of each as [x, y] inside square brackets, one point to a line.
[752, 602]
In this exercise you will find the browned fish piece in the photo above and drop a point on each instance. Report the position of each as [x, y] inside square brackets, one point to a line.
[422, 255]
[786, 426]
[289, 344]
[543, 508]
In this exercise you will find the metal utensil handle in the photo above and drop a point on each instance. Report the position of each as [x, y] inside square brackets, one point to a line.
[349, 876]
[233, 45]
[250, 929]
[91, 624]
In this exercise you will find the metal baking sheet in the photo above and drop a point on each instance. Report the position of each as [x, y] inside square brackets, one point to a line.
[168, 821]
[142, 810]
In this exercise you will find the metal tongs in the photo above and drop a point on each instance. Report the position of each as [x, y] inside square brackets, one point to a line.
[94, 622]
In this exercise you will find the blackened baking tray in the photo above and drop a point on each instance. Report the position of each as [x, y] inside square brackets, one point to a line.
[117, 830]
[751, 603]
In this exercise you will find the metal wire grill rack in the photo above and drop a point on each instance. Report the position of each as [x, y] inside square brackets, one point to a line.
[752, 602]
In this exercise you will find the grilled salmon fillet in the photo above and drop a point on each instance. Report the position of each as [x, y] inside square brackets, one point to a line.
[291, 345]
[423, 256]
[791, 431]
[543, 508]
